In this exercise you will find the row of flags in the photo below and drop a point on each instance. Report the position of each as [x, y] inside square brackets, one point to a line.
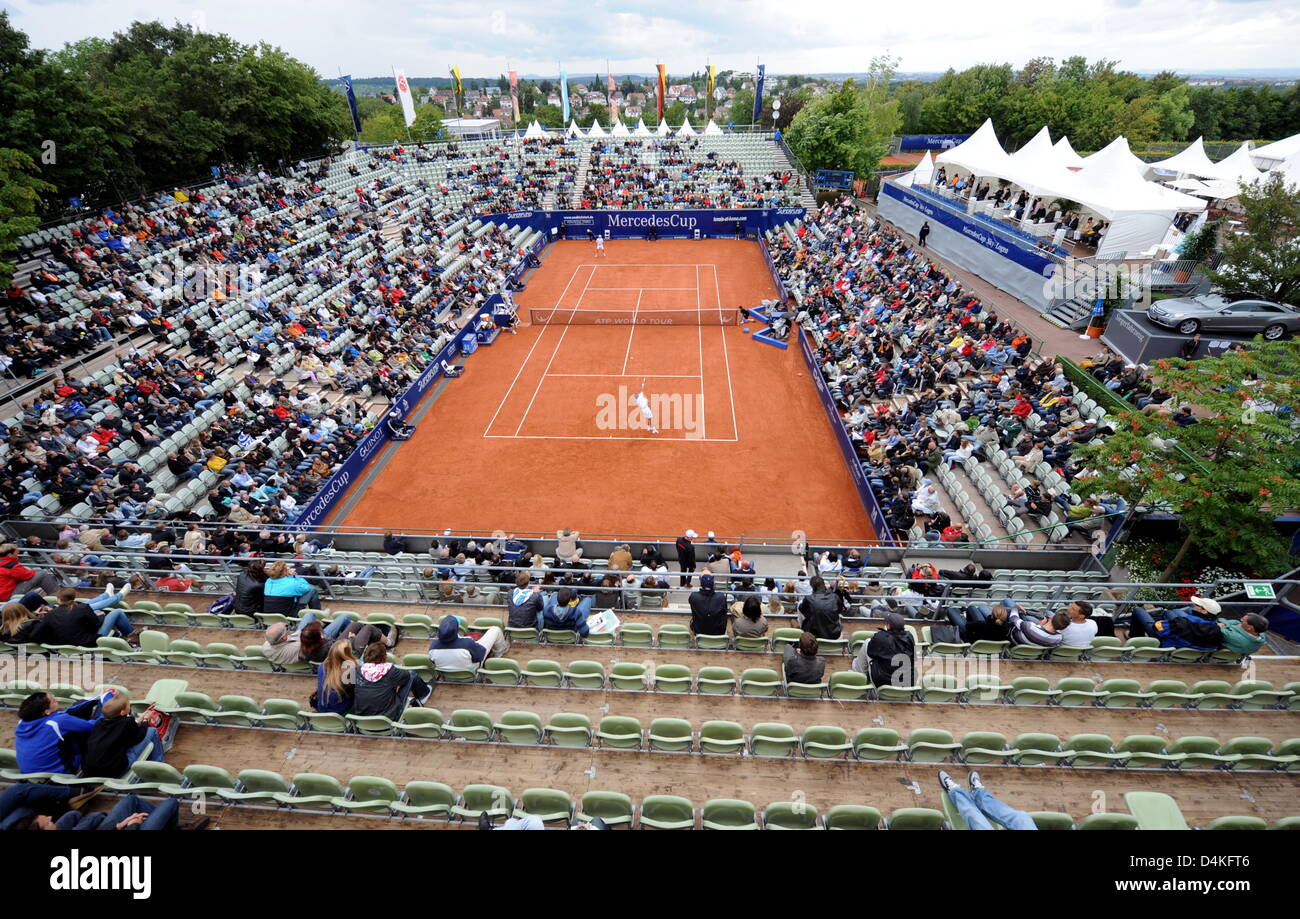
[458, 93]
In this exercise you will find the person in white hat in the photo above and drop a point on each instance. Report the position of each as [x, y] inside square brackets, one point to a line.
[686, 556]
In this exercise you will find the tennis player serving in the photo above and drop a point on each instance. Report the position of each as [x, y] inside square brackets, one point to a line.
[644, 405]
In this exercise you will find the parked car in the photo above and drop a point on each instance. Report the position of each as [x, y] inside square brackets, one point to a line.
[1219, 312]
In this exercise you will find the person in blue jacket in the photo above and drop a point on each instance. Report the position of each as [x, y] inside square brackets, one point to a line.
[564, 609]
[50, 740]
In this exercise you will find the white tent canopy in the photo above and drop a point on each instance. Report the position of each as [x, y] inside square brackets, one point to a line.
[711, 129]
[663, 130]
[1270, 156]
[1065, 154]
[574, 130]
[595, 130]
[686, 130]
[619, 130]
[1190, 161]
[640, 130]
[980, 154]
[1290, 169]
[534, 132]
[1238, 167]
[1118, 151]
[922, 173]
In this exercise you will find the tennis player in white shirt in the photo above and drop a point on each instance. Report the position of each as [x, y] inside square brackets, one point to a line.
[644, 405]
[600, 245]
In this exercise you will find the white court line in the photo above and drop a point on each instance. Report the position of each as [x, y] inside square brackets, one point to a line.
[551, 361]
[699, 335]
[731, 396]
[631, 331]
[648, 376]
[644, 288]
[648, 438]
[529, 356]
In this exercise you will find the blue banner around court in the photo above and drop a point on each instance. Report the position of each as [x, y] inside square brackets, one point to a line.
[931, 141]
[860, 481]
[984, 233]
[670, 224]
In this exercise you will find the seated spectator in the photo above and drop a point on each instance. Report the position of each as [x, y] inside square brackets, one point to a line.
[284, 648]
[132, 812]
[29, 806]
[16, 578]
[524, 604]
[977, 807]
[394, 544]
[1044, 633]
[384, 688]
[50, 740]
[249, 589]
[708, 609]
[802, 665]
[567, 546]
[565, 609]
[175, 582]
[336, 680]
[284, 593]
[889, 657]
[73, 622]
[980, 623]
[1199, 627]
[118, 739]
[747, 619]
[449, 650]
[819, 612]
[18, 623]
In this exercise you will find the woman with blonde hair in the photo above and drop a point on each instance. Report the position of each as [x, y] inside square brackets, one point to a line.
[336, 680]
[17, 623]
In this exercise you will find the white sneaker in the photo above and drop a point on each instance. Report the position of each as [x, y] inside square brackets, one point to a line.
[109, 590]
[126, 589]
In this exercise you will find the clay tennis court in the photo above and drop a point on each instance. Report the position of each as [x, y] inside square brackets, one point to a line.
[542, 431]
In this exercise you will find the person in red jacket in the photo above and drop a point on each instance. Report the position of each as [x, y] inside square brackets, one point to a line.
[17, 578]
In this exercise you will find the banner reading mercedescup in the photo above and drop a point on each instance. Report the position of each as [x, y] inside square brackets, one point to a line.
[668, 224]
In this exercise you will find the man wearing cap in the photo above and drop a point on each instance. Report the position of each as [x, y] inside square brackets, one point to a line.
[1198, 627]
[708, 609]
[686, 556]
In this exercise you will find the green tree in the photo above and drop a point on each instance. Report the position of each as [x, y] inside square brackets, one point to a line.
[20, 201]
[674, 113]
[1174, 110]
[597, 114]
[385, 126]
[851, 128]
[742, 106]
[428, 123]
[1265, 259]
[549, 116]
[1236, 469]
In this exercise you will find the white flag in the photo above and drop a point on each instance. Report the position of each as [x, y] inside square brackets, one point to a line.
[404, 96]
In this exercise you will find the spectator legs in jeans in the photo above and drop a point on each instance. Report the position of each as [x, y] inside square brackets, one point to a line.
[957, 619]
[44, 799]
[340, 623]
[418, 689]
[150, 737]
[1143, 624]
[104, 601]
[164, 816]
[115, 621]
[978, 807]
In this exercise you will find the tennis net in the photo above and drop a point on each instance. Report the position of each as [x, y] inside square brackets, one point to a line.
[651, 317]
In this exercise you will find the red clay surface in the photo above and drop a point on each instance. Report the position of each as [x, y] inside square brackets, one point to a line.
[541, 431]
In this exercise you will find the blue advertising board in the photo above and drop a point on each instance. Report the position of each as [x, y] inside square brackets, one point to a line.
[979, 231]
[680, 224]
[931, 141]
[860, 481]
[833, 178]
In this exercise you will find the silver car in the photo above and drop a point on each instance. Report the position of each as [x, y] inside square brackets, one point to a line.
[1226, 313]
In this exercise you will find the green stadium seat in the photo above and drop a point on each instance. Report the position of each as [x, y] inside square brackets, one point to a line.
[519, 728]
[671, 735]
[849, 686]
[916, 818]
[585, 675]
[667, 812]
[672, 678]
[543, 673]
[791, 815]
[476, 800]
[878, 744]
[368, 794]
[613, 807]
[770, 738]
[979, 747]
[760, 681]
[620, 732]
[255, 786]
[852, 817]
[627, 676]
[566, 729]
[821, 741]
[417, 721]
[425, 799]
[722, 737]
[930, 745]
[726, 814]
[715, 681]
[546, 804]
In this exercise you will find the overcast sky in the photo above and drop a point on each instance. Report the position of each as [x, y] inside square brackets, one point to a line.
[366, 37]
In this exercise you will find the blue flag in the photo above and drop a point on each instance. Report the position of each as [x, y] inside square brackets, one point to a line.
[758, 94]
[352, 102]
[564, 96]
[1099, 308]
